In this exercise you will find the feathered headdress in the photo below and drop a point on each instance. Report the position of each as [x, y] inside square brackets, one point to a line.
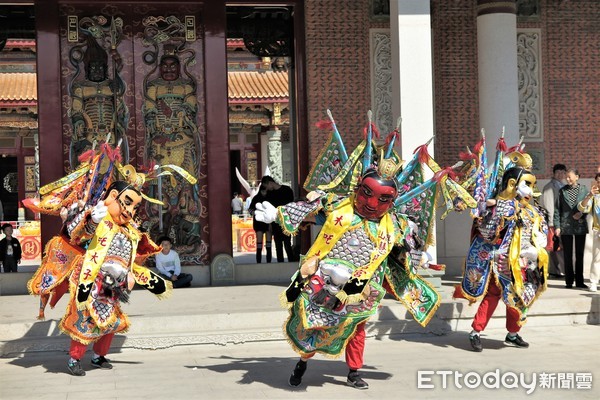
[138, 180]
[86, 185]
[336, 171]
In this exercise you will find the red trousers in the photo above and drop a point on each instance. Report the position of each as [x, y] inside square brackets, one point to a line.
[355, 349]
[487, 307]
[100, 347]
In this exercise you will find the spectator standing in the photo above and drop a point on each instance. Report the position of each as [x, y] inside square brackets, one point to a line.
[591, 204]
[549, 196]
[169, 266]
[571, 225]
[248, 202]
[279, 195]
[260, 228]
[237, 204]
[10, 250]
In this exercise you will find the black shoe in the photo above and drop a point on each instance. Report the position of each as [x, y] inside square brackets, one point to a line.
[101, 362]
[299, 370]
[582, 286]
[569, 286]
[476, 343]
[356, 381]
[516, 341]
[75, 368]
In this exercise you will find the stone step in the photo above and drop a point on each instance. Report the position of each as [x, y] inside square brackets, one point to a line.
[243, 274]
[251, 313]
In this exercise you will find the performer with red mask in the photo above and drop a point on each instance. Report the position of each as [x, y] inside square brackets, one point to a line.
[367, 246]
[362, 250]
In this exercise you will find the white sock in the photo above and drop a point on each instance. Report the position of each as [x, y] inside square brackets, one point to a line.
[512, 334]
[96, 356]
[72, 360]
[474, 333]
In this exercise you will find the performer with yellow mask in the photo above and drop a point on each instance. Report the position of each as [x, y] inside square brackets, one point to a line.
[99, 252]
[506, 259]
[105, 275]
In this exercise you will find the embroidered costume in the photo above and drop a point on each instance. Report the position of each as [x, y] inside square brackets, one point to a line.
[367, 246]
[111, 261]
[354, 266]
[99, 253]
[506, 259]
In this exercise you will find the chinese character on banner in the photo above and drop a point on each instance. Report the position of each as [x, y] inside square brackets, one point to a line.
[246, 240]
[31, 247]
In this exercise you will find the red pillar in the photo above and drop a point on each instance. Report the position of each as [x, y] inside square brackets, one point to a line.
[217, 130]
[49, 103]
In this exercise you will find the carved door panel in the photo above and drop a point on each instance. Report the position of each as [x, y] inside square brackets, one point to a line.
[135, 73]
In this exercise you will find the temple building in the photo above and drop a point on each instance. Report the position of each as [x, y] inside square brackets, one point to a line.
[215, 86]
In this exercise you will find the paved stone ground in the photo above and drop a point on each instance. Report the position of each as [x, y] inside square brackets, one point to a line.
[260, 370]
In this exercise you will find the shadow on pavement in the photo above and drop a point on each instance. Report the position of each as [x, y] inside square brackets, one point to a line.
[457, 340]
[438, 332]
[55, 362]
[35, 349]
[275, 371]
[389, 323]
[52, 362]
[593, 317]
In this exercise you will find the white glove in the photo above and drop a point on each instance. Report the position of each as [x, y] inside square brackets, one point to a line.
[265, 212]
[99, 212]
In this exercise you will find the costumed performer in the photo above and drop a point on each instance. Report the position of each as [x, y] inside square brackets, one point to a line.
[506, 258]
[66, 197]
[75, 194]
[106, 274]
[365, 248]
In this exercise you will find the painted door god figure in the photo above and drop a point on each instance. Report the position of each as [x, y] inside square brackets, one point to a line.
[172, 139]
[97, 107]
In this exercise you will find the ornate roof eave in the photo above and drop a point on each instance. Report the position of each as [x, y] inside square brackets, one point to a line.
[259, 101]
[31, 125]
[235, 43]
[23, 44]
[18, 103]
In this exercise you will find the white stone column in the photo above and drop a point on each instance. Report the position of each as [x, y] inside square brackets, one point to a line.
[274, 150]
[412, 75]
[498, 72]
[412, 72]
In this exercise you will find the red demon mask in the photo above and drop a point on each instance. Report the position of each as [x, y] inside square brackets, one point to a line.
[374, 196]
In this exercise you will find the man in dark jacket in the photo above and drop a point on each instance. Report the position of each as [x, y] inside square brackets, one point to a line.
[10, 250]
[279, 195]
[571, 225]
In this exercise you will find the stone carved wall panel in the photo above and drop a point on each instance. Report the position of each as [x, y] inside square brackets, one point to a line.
[530, 84]
[381, 79]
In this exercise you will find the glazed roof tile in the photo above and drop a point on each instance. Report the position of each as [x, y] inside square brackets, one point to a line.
[243, 86]
[257, 86]
[20, 86]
